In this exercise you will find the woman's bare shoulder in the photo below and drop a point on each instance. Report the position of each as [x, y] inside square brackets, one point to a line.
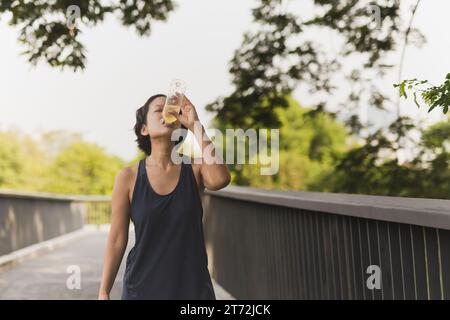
[127, 174]
[126, 177]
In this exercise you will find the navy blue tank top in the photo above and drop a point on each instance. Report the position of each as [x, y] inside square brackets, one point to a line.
[168, 259]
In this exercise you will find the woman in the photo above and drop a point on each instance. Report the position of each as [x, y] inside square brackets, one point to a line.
[162, 198]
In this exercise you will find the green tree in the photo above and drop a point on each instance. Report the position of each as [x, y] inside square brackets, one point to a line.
[51, 30]
[56, 162]
[22, 164]
[12, 161]
[373, 167]
[433, 96]
[435, 158]
[309, 143]
[83, 168]
[278, 56]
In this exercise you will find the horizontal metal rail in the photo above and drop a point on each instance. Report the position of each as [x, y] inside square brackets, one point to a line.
[271, 244]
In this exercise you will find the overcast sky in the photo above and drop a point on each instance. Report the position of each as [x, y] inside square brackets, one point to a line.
[123, 70]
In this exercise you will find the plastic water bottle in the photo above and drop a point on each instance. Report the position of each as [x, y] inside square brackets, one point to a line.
[174, 99]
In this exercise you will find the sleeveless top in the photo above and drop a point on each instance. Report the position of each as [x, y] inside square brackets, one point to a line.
[168, 259]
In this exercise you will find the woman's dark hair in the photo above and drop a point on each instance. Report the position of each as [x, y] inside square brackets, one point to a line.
[141, 117]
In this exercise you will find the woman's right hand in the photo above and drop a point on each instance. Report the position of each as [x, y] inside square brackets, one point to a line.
[103, 296]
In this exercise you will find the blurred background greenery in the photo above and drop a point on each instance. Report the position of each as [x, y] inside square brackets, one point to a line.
[325, 146]
[316, 154]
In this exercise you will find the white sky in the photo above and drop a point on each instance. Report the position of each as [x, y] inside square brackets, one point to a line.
[123, 70]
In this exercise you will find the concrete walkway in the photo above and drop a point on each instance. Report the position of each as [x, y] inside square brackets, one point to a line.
[46, 276]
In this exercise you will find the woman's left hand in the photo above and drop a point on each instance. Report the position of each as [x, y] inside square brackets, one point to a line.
[188, 116]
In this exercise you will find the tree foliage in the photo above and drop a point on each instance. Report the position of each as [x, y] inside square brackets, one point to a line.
[316, 152]
[433, 96]
[57, 162]
[278, 57]
[83, 168]
[308, 145]
[50, 31]
[374, 168]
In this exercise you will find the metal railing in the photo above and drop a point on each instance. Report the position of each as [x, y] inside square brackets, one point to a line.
[27, 218]
[268, 244]
[98, 210]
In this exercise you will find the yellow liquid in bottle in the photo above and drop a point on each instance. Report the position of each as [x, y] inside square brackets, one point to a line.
[169, 108]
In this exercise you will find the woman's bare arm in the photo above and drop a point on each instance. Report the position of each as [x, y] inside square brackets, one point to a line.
[118, 233]
[215, 174]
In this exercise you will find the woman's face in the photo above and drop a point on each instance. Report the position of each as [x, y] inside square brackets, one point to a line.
[154, 127]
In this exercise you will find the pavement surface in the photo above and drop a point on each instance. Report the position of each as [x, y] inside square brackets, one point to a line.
[71, 271]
